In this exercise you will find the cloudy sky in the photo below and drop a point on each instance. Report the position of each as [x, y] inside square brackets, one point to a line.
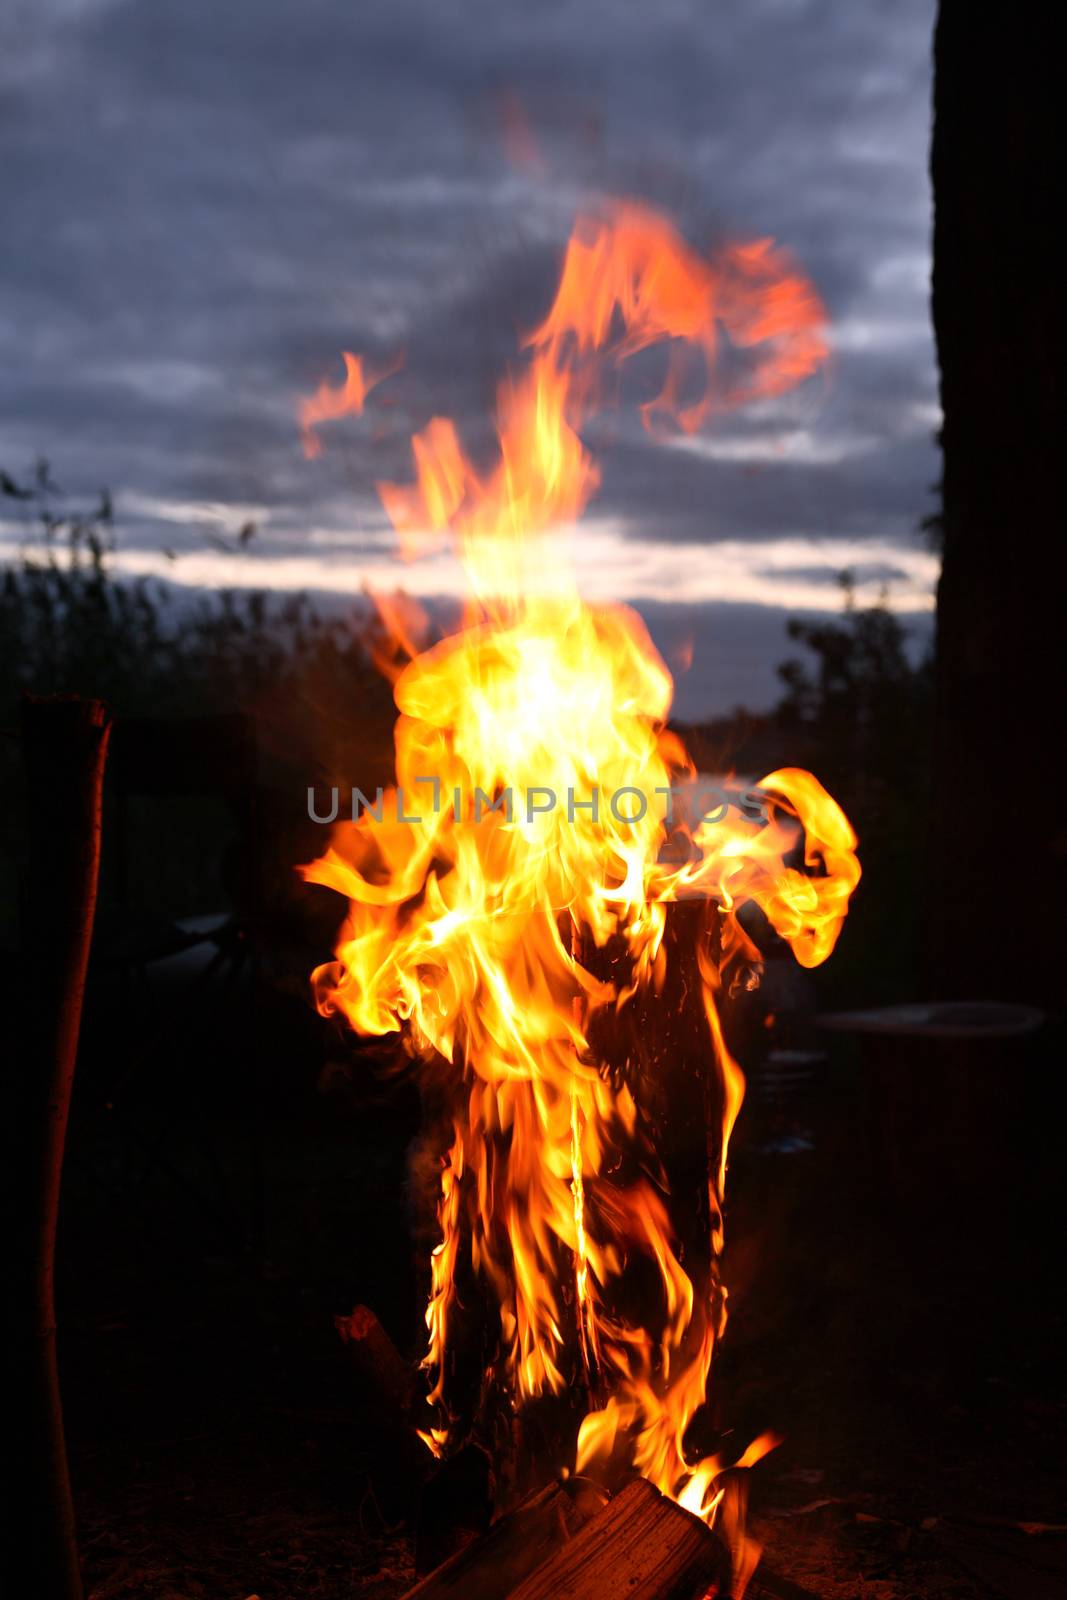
[206, 200]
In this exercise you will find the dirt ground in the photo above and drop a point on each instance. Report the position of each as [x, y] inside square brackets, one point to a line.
[221, 1447]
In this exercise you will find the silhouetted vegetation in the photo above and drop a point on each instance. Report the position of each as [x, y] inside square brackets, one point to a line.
[862, 701]
[856, 710]
[68, 623]
[859, 713]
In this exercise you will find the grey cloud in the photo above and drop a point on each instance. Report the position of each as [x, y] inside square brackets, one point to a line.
[736, 650]
[860, 571]
[206, 203]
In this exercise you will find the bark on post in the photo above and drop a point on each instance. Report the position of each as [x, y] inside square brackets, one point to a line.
[65, 746]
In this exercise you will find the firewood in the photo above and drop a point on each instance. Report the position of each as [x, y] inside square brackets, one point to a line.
[641, 1546]
[516, 1544]
[388, 1378]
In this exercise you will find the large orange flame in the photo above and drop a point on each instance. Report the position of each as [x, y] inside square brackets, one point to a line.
[481, 889]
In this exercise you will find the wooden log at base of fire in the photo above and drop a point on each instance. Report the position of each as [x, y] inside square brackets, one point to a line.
[566, 1540]
[565, 1544]
[515, 1546]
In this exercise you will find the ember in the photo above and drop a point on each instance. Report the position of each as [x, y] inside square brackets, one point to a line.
[502, 946]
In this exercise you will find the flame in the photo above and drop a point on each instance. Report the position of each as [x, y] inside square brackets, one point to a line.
[327, 404]
[505, 870]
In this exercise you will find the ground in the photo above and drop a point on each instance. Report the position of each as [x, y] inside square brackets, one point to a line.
[221, 1446]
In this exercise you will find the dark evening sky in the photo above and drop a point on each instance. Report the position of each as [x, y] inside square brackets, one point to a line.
[205, 202]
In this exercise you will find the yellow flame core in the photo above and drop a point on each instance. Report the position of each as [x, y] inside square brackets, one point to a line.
[466, 927]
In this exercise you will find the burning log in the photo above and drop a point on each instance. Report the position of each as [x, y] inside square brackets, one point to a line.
[641, 1547]
[65, 743]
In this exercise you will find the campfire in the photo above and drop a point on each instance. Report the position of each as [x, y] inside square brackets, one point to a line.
[552, 910]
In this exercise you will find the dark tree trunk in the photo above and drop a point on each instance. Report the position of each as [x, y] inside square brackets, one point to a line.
[996, 873]
[65, 744]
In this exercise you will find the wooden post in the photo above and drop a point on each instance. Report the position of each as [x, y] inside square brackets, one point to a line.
[65, 745]
[997, 857]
